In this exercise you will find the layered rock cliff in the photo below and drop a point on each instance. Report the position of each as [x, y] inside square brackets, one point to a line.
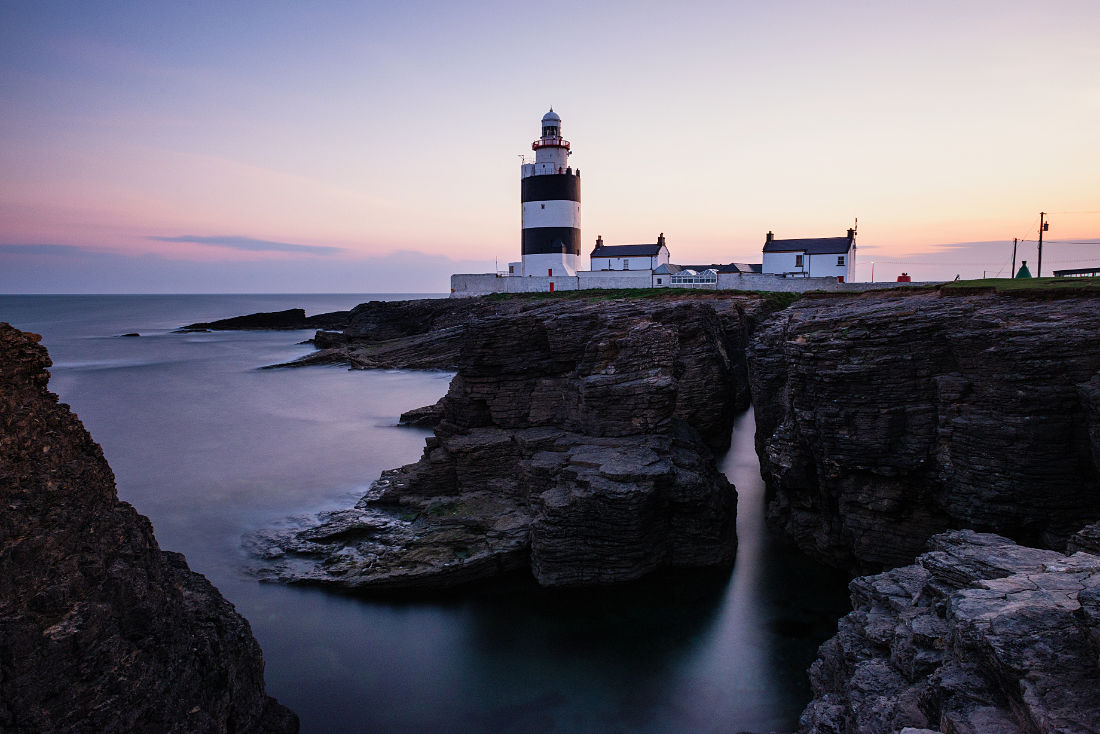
[884, 419]
[100, 630]
[573, 443]
[980, 635]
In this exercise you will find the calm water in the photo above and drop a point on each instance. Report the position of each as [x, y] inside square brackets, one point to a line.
[209, 447]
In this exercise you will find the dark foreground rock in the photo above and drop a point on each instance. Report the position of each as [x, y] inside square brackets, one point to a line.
[290, 319]
[980, 635]
[883, 420]
[428, 416]
[573, 444]
[100, 630]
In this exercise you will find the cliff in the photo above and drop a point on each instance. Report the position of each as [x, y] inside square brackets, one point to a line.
[884, 419]
[980, 635]
[573, 443]
[100, 630]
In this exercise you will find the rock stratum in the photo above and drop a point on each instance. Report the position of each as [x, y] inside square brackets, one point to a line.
[100, 630]
[574, 442]
[885, 419]
[980, 635]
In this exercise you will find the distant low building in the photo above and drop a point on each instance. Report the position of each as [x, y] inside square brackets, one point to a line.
[667, 275]
[811, 258]
[691, 278]
[629, 257]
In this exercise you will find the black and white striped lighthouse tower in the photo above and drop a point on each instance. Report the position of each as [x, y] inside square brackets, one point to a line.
[551, 196]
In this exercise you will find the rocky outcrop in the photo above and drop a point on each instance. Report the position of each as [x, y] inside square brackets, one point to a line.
[980, 635]
[430, 333]
[421, 334]
[100, 630]
[883, 420]
[428, 416]
[291, 318]
[573, 444]
[1086, 539]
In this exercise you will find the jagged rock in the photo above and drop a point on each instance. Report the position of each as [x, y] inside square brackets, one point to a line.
[427, 417]
[980, 635]
[100, 630]
[291, 318]
[1086, 539]
[572, 443]
[885, 419]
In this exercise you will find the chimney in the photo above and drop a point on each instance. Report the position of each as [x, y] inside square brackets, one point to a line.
[661, 240]
[851, 234]
[599, 240]
[770, 237]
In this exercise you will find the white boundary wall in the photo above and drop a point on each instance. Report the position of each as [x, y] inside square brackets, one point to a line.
[758, 282]
[481, 284]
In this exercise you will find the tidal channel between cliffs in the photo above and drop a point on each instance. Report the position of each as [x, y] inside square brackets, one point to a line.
[209, 448]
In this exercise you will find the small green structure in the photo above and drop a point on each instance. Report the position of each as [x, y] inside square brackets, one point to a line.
[1023, 272]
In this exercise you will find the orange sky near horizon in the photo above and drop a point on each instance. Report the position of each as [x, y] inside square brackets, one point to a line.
[378, 130]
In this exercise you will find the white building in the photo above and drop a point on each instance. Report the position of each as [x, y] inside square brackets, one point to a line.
[812, 258]
[550, 195]
[629, 257]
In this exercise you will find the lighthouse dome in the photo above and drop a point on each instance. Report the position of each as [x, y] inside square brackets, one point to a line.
[551, 116]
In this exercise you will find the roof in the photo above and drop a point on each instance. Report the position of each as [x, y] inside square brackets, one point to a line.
[626, 250]
[1076, 271]
[727, 268]
[750, 267]
[666, 269]
[551, 116]
[811, 246]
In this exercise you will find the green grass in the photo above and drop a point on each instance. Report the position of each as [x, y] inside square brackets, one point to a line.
[779, 299]
[1027, 287]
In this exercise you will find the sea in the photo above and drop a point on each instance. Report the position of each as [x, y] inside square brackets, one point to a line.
[209, 447]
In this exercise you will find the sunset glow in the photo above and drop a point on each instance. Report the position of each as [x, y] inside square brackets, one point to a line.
[389, 135]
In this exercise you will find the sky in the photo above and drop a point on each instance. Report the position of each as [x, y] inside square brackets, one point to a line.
[375, 147]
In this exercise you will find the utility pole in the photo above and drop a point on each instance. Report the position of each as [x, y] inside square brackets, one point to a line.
[1043, 226]
[872, 271]
[1012, 273]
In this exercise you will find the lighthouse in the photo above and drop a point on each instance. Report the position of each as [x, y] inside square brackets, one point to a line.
[550, 192]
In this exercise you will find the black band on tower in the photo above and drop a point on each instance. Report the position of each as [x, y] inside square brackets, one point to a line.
[551, 187]
[551, 240]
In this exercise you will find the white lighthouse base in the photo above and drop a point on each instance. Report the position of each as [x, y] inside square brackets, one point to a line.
[550, 265]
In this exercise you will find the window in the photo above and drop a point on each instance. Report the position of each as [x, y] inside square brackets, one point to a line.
[658, 281]
[626, 265]
[798, 261]
[840, 260]
[542, 206]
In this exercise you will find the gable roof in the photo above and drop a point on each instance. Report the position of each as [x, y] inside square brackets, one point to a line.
[666, 269]
[812, 246]
[626, 250]
[750, 267]
[727, 268]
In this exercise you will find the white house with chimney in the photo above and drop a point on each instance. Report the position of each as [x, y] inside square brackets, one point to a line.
[629, 257]
[816, 257]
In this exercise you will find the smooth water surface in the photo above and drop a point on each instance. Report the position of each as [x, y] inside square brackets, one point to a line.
[208, 447]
